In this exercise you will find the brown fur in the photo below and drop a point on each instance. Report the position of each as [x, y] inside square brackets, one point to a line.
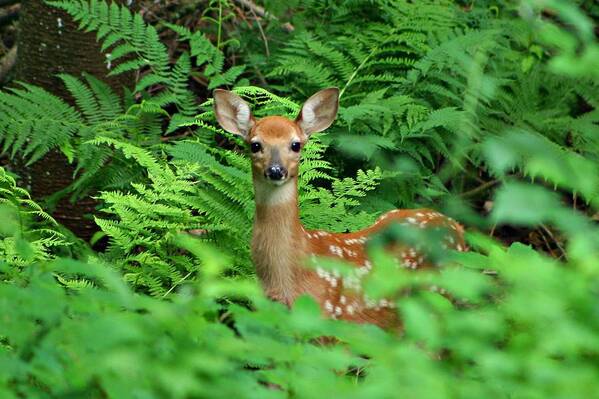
[276, 128]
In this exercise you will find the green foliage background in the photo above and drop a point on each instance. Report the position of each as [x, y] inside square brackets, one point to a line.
[488, 111]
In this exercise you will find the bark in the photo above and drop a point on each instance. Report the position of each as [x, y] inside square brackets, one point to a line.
[49, 44]
[7, 63]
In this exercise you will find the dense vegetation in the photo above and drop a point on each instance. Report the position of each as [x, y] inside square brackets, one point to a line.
[488, 111]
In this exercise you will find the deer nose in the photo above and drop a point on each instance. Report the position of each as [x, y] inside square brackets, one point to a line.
[276, 172]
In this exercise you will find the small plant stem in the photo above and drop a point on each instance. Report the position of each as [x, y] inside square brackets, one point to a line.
[176, 284]
[557, 243]
[261, 33]
[355, 73]
[220, 23]
[480, 188]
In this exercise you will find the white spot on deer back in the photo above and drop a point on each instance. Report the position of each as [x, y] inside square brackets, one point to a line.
[328, 306]
[336, 250]
[350, 253]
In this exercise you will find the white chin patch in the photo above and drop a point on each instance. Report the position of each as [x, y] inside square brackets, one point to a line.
[274, 192]
[278, 182]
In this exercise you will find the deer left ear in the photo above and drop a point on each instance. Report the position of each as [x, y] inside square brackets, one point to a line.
[319, 111]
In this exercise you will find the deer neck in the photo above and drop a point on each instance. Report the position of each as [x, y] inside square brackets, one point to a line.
[279, 241]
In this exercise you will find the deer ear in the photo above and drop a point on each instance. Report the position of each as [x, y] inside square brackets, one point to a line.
[319, 111]
[232, 113]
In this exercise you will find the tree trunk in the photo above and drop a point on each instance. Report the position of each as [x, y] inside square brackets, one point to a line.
[49, 44]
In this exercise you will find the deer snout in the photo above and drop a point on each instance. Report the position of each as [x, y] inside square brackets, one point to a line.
[276, 172]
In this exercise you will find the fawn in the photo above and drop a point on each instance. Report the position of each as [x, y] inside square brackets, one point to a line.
[280, 244]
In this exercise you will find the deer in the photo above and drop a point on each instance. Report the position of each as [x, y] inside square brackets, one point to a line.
[281, 246]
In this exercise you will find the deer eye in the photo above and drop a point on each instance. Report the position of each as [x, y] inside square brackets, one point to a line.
[255, 147]
[295, 146]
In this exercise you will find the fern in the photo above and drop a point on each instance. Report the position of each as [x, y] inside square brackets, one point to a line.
[342, 203]
[29, 111]
[74, 283]
[183, 196]
[28, 234]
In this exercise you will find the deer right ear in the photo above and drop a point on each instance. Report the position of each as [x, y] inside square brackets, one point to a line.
[232, 113]
[319, 111]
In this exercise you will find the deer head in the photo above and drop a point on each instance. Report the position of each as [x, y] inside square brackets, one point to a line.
[275, 142]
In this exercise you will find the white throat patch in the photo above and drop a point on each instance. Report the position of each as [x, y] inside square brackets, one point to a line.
[270, 194]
